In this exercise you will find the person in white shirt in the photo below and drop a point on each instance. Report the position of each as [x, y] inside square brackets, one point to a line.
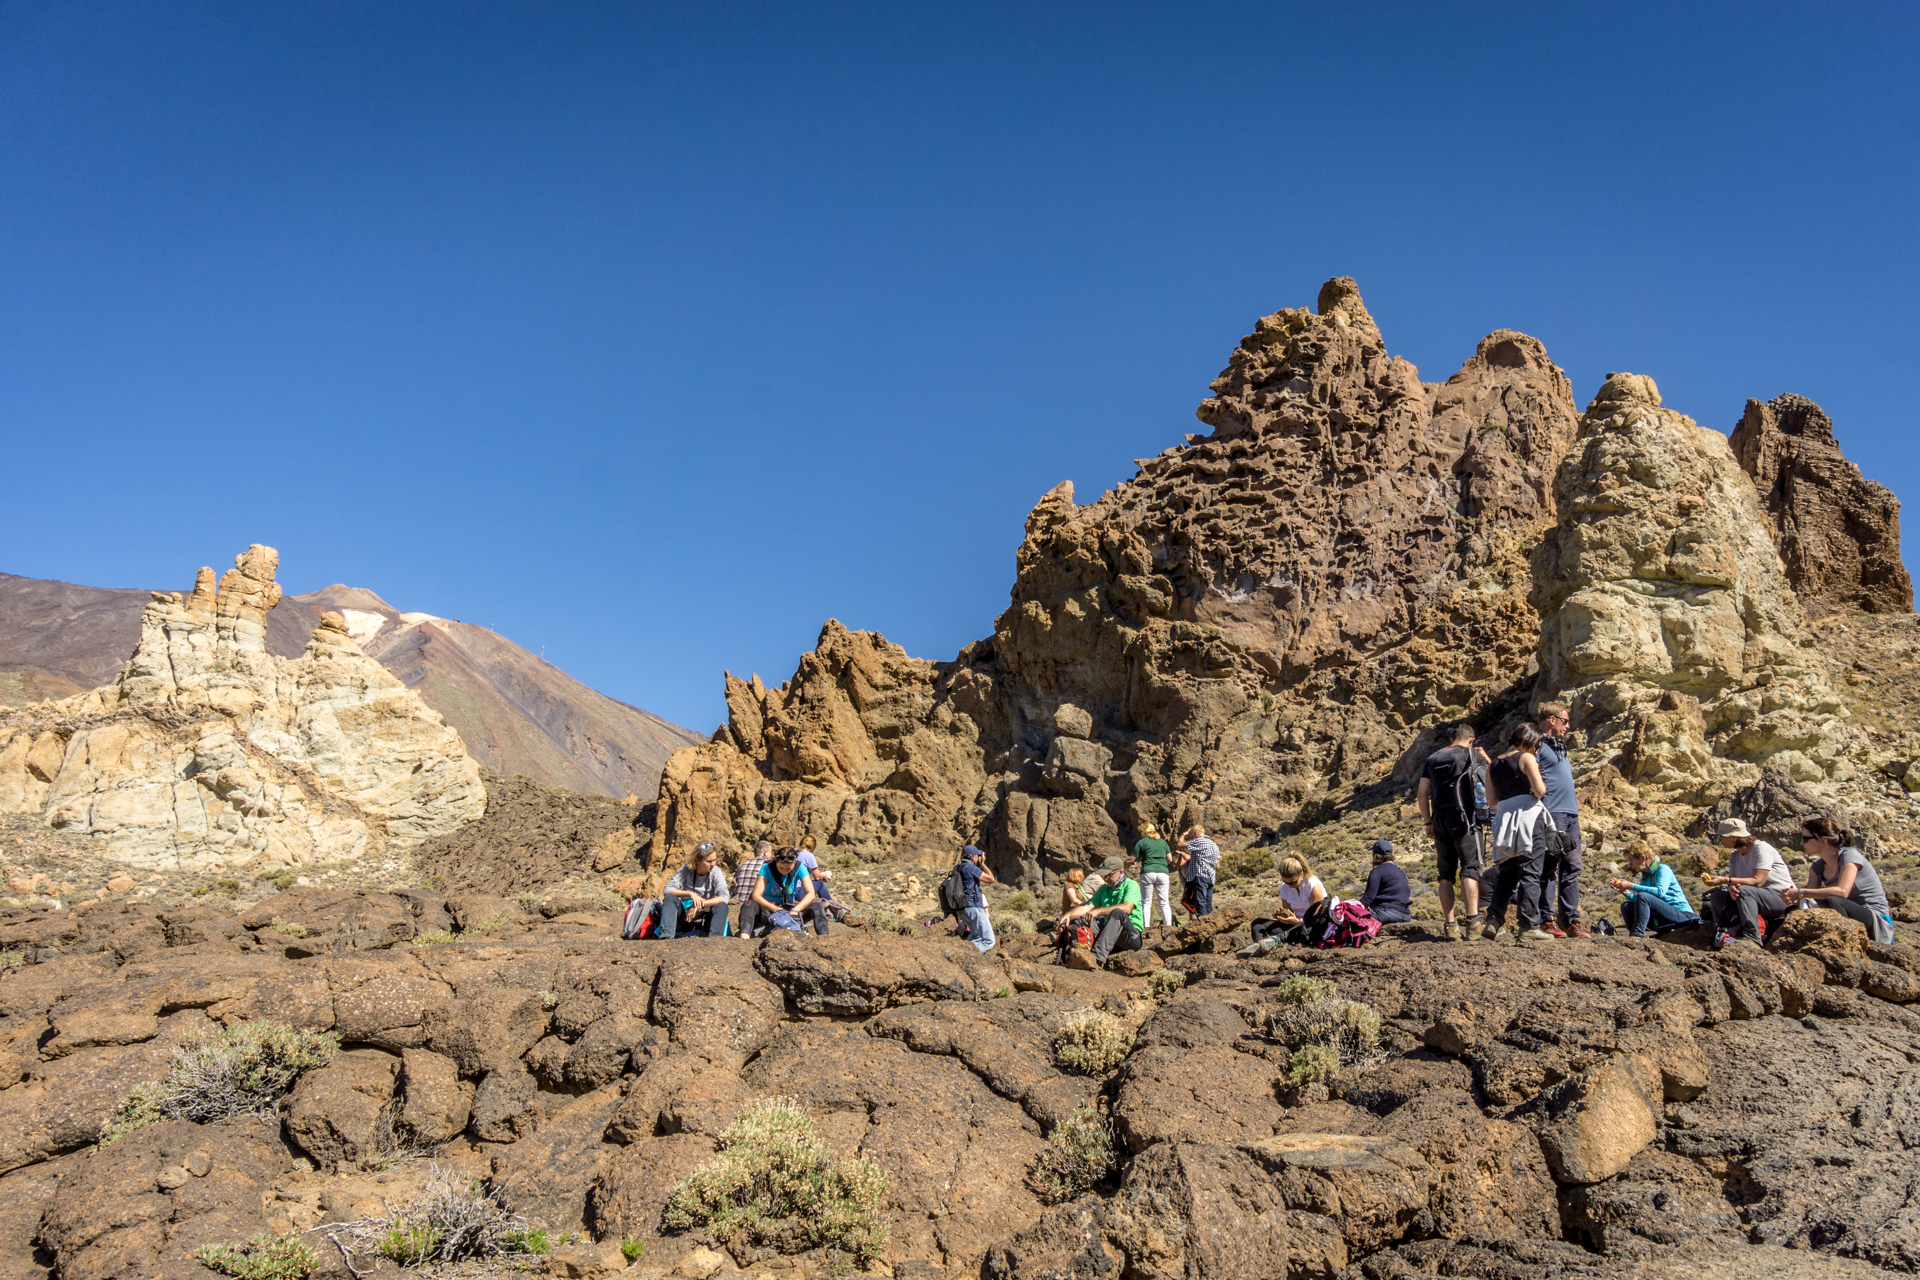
[1752, 892]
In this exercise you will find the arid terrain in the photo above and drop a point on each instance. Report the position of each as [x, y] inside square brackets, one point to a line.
[294, 982]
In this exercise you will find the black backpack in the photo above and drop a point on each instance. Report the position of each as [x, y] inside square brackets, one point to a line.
[953, 892]
[1454, 811]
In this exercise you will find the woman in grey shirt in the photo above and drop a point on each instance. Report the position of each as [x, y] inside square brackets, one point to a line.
[1843, 879]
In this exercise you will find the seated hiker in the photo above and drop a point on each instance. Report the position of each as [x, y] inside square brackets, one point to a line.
[1842, 879]
[1752, 891]
[695, 899]
[1117, 912]
[785, 893]
[1655, 898]
[745, 877]
[1387, 895]
[1300, 890]
[1073, 906]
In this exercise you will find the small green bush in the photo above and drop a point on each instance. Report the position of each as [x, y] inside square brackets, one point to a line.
[409, 1244]
[1301, 989]
[1019, 903]
[261, 1257]
[631, 1249]
[529, 901]
[243, 1070]
[1092, 1043]
[1245, 864]
[882, 920]
[434, 938]
[1001, 993]
[491, 922]
[284, 881]
[1349, 1029]
[777, 1181]
[526, 1240]
[1078, 1157]
[292, 928]
[1162, 983]
[1313, 1064]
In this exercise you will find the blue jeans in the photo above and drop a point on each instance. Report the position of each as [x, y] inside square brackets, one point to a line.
[1642, 909]
[979, 928]
[1202, 891]
[673, 916]
[1389, 915]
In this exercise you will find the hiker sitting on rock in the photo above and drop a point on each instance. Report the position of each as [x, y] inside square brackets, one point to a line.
[1117, 913]
[1300, 890]
[1654, 897]
[1752, 893]
[785, 893]
[746, 877]
[1074, 906]
[695, 899]
[1841, 878]
[1387, 895]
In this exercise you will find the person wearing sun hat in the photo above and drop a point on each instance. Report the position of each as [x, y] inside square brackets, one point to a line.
[1753, 890]
[1118, 916]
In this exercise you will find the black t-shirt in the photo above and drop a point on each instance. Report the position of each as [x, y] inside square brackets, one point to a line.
[1449, 774]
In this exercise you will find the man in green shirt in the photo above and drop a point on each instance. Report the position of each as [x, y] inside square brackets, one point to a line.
[1118, 918]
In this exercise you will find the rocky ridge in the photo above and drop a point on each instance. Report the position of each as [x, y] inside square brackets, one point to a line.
[1596, 1109]
[207, 748]
[1838, 533]
[1258, 615]
[1267, 626]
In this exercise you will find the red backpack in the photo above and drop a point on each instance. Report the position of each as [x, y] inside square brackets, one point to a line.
[1352, 925]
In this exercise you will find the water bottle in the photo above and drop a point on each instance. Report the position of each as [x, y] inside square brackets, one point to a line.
[1479, 795]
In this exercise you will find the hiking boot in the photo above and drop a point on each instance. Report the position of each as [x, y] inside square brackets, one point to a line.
[1575, 929]
[1470, 928]
[1251, 950]
[1452, 931]
[1721, 938]
[1537, 934]
[1554, 929]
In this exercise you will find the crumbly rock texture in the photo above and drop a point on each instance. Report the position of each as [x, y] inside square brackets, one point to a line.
[206, 748]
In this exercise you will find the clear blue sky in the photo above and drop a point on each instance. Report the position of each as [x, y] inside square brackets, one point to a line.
[657, 335]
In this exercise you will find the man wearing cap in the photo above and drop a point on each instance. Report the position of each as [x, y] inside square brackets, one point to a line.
[973, 870]
[696, 898]
[1752, 893]
[1387, 895]
[745, 877]
[1119, 919]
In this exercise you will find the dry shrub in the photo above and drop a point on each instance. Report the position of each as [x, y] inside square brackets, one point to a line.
[775, 1180]
[451, 1220]
[1350, 1031]
[1092, 1043]
[1163, 983]
[242, 1070]
[1079, 1155]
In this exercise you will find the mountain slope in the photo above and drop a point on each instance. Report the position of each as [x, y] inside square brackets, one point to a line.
[515, 712]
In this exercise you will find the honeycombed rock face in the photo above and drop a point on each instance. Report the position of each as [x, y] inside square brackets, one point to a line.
[1252, 618]
[1838, 532]
[1666, 619]
[207, 747]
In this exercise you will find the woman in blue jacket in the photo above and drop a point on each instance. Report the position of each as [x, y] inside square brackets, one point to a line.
[1656, 898]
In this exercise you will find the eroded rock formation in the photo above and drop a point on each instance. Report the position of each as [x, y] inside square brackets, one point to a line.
[1837, 531]
[1666, 620]
[1254, 617]
[208, 747]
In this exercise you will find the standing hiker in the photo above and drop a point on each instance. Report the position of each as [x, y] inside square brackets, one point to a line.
[1448, 805]
[1561, 877]
[1202, 867]
[1156, 879]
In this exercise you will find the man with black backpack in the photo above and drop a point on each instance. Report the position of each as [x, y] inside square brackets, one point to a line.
[1452, 789]
[961, 895]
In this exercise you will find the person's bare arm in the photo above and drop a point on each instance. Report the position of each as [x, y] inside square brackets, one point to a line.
[760, 895]
[1535, 783]
[1421, 800]
[986, 877]
[1840, 888]
[1315, 893]
[807, 899]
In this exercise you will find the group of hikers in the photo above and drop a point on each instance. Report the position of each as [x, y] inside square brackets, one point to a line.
[1505, 829]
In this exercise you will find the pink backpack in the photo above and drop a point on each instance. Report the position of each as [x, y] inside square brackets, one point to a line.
[1352, 925]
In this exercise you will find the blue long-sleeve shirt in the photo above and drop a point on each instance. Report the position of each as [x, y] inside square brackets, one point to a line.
[1660, 881]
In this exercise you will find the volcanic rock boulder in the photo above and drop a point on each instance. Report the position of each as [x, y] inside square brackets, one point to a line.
[207, 747]
[1665, 619]
[1254, 617]
[1838, 532]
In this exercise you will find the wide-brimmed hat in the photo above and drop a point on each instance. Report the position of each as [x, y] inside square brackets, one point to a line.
[1733, 827]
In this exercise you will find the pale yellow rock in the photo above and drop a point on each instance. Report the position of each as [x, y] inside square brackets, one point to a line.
[1665, 618]
[206, 748]
[699, 1264]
